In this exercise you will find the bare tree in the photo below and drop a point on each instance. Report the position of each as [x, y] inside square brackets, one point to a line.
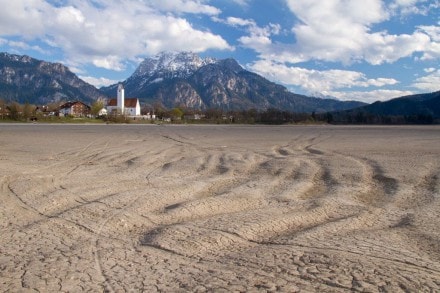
[96, 107]
[27, 110]
[15, 110]
[2, 108]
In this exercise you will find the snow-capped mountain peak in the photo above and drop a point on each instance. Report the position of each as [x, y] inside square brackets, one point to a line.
[171, 64]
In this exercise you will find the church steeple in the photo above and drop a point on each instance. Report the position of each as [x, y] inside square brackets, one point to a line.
[121, 98]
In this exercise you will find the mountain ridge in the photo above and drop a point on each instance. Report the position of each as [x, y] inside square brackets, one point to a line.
[413, 109]
[25, 79]
[419, 104]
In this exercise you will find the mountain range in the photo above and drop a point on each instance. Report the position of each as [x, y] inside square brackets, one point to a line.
[185, 79]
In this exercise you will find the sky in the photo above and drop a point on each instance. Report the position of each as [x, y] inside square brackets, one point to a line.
[365, 50]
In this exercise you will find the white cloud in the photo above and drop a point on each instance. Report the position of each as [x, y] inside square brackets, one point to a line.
[408, 7]
[258, 38]
[334, 30]
[432, 31]
[430, 82]
[313, 81]
[341, 31]
[381, 47]
[109, 62]
[369, 96]
[241, 2]
[432, 50]
[23, 17]
[184, 6]
[317, 13]
[97, 31]
[334, 83]
[252, 27]
[429, 70]
[405, 7]
[98, 82]
[23, 45]
[236, 21]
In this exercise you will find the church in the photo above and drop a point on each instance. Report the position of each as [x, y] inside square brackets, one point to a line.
[129, 107]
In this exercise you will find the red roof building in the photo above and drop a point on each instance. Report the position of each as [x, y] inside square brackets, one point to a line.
[131, 106]
[77, 109]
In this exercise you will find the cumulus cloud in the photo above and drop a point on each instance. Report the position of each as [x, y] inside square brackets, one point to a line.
[341, 31]
[432, 50]
[258, 38]
[185, 6]
[430, 82]
[313, 81]
[369, 96]
[408, 7]
[23, 17]
[432, 31]
[98, 82]
[236, 21]
[106, 33]
[405, 6]
[333, 30]
[109, 62]
[22, 45]
[251, 26]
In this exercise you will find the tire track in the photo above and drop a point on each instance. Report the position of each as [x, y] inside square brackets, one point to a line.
[322, 184]
[95, 251]
[198, 210]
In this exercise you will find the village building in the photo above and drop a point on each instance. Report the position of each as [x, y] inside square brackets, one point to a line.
[102, 112]
[76, 109]
[129, 107]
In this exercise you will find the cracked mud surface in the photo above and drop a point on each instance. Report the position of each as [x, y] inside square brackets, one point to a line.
[218, 208]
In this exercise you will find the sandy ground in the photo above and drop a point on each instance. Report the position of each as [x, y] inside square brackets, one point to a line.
[219, 208]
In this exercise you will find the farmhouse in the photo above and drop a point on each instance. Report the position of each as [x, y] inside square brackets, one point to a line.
[130, 107]
[77, 109]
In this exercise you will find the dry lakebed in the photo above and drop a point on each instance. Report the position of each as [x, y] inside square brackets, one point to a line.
[212, 208]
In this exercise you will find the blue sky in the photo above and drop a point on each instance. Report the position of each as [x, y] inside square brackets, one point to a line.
[349, 49]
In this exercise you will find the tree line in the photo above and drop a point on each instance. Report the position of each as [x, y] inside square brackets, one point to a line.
[25, 112]
[15, 111]
[279, 117]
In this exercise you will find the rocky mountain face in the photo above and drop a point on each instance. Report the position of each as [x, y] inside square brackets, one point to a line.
[185, 79]
[25, 79]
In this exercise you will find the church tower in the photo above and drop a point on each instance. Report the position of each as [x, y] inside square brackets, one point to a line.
[121, 98]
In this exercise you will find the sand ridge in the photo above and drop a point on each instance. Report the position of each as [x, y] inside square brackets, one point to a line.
[219, 208]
